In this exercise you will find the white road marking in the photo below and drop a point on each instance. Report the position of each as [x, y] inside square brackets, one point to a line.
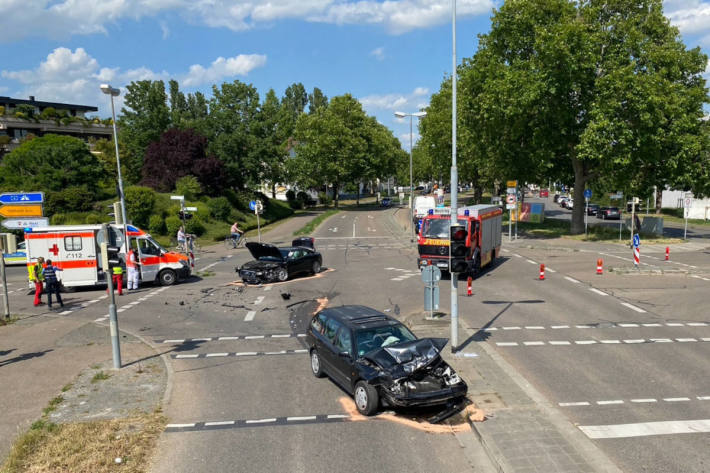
[571, 280]
[607, 342]
[290, 419]
[261, 421]
[187, 356]
[301, 335]
[633, 307]
[210, 355]
[259, 300]
[534, 327]
[636, 340]
[338, 416]
[705, 339]
[643, 400]
[507, 344]
[65, 312]
[228, 338]
[684, 340]
[628, 325]
[559, 326]
[571, 404]
[533, 343]
[696, 324]
[559, 342]
[674, 324]
[282, 352]
[517, 255]
[583, 326]
[285, 335]
[703, 398]
[511, 328]
[204, 339]
[268, 288]
[174, 341]
[222, 422]
[646, 428]
[253, 337]
[245, 353]
[100, 319]
[651, 325]
[300, 351]
[531, 261]
[178, 426]
[661, 340]
[550, 270]
[597, 291]
[676, 399]
[121, 310]
[606, 403]
[585, 342]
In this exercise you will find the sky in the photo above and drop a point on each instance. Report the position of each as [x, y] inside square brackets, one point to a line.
[391, 55]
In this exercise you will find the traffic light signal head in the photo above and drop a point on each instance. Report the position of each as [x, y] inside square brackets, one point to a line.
[184, 215]
[457, 248]
[109, 256]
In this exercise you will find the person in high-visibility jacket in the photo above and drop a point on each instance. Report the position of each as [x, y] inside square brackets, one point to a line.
[36, 274]
[132, 268]
[118, 278]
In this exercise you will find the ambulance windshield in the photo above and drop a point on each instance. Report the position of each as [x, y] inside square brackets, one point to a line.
[148, 246]
[438, 227]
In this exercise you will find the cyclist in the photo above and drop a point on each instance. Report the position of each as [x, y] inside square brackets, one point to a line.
[236, 234]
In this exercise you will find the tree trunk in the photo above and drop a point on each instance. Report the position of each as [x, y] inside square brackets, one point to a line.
[335, 194]
[273, 190]
[659, 200]
[477, 194]
[357, 200]
[580, 179]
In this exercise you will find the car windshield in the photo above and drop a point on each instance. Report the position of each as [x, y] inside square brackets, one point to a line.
[370, 339]
[438, 227]
[613, 209]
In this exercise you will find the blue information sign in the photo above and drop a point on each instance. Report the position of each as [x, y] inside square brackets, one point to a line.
[252, 205]
[587, 193]
[637, 240]
[22, 198]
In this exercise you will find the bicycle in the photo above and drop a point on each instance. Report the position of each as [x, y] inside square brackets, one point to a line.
[192, 245]
[232, 243]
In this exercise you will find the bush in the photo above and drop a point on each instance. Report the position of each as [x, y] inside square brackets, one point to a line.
[188, 186]
[139, 204]
[5, 139]
[95, 217]
[2, 110]
[70, 199]
[195, 225]
[156, 225]
[220, 208]
[48, 113]
[324, 199]
[27, 110]
[290, 195]
[173, 224]
[295, 204]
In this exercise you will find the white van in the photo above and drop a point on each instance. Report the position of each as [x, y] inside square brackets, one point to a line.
[422, 204]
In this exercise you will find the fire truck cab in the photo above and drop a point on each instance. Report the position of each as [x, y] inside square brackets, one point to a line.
[76, 250]
[483, 224]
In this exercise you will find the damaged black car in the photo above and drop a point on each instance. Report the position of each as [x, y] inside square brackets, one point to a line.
[380, 361]
[272, 264]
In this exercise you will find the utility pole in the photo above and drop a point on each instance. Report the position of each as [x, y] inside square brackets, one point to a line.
[5, 298]
[454, 188]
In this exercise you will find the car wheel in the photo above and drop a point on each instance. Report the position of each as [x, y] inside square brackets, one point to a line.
[167, 277]
[367, 399]
[316, 367]
[316, 267]
[282, 274]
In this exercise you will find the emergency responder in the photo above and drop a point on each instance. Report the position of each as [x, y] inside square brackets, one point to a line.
[117, 278]
[36, 273]
[53, 286]
[132, 268]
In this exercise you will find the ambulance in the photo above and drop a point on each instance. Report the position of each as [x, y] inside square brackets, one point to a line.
[76, 250]
[483, 226]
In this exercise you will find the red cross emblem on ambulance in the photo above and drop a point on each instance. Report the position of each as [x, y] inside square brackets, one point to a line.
[54, 250]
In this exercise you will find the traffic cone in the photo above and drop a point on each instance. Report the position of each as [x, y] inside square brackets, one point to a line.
[600, 265]
[668, 253]
[469, 291]
[542, 272]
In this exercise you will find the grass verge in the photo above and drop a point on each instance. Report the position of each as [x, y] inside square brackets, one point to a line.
[86, 447]
[10, 321]
[314, 223]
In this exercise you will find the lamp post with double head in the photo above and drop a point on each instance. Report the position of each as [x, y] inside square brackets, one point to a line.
[411, 184]
[108, 90]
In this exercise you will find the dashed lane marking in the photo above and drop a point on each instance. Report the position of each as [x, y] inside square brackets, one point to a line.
[250, 316]
[571, 280]
[644, 429]
[259, 300]
[649, 400]
[268, 288]
[606, 325]
[254, 423]
[633, 307]
[243, 353]
[635, 341]
[531, 261]
[597, 291]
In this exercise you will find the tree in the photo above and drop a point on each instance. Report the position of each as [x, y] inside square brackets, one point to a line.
[316, 100]
[144, 118]
[271, 141]
[178, 104]
[585, 91]
[51, 163]
[181, 153]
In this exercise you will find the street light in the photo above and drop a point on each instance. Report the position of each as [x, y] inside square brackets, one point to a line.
[108, 90]
[411, 187]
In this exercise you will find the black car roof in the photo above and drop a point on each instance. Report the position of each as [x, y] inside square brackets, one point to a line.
[358, 316]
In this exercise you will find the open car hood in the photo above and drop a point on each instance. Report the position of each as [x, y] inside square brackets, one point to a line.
[260, 250]
[403, 359]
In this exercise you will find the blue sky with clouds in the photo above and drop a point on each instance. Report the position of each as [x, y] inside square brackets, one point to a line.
[390, 54]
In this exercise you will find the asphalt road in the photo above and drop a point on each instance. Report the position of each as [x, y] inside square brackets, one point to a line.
[618, 354]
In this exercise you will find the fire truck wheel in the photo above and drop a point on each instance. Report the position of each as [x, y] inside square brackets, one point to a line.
[167, 277]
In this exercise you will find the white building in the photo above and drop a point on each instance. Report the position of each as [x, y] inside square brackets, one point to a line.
[699, 208]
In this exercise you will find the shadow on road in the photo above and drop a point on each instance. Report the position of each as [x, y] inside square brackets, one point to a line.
[23, 357]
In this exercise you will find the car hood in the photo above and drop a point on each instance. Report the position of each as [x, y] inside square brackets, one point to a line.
[403, 359]
[261, 250]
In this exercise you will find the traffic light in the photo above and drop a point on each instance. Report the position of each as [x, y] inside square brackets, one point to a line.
[458, 249]
[109, 256]
[184, 215]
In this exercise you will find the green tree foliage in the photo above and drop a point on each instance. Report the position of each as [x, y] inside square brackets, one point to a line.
[316, 99]
[178, 105]
[270, 149]
[144, 118]
[589, 91]
[53, 164]
[188, 186]
[140, 202]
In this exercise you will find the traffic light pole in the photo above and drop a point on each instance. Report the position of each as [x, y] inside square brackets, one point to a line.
[454, 192]
[112, 315]
[5, 299]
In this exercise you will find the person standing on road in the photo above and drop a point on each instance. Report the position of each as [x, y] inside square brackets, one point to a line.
[181, 239]
[117, 277]
[236, 234]
[50, 275]
[132, 268]
[36, 272]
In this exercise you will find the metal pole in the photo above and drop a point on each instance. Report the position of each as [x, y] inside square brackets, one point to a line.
[113, 317]
[258, 224]
[633, 209]
[411, 179]
[517, 217]
[454, 186]
[5, 299]
[120, 181]
[586, 212]
[685, 232]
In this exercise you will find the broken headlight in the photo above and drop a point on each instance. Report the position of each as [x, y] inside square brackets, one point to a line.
[450, 377]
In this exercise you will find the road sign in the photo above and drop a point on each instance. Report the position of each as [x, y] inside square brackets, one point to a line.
[510, 206]
[191, 209]
[431, 274]
[22, 198]
[587, 193]
[20, 223]
[637, 240]
[688, 202]
[510, 198]
[177, 197]
[21, 210]
[511, 190]
[252, 205]
[512, 184]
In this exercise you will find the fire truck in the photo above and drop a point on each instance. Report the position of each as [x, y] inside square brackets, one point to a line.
[76, 249]
[477, 239]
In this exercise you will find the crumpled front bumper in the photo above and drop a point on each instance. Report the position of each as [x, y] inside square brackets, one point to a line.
[432, 398]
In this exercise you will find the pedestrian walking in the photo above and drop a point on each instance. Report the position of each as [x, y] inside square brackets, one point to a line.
[117, 278]
[53, 286]
[132, 268]
[182, 239]
[36, 273]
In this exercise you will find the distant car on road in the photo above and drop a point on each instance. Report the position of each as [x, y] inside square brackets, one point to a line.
[377, 359]
[562, 201]
[609, 213]
[544, 193]
[19, 257]
[592, 209]
[273, 264]
[556, 198]
[569, 204]
[386, 202]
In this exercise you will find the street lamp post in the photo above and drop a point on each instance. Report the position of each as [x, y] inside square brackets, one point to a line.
[108, 90]
[411, 183]
[454, 183]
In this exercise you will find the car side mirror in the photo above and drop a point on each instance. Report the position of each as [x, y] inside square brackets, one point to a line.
[344, 354]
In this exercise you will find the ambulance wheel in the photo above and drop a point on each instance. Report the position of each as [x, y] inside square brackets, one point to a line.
[167, 277]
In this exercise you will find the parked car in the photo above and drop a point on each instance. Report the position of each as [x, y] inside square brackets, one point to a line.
[592, 209]
[19, 257]
[386, 202]
[278, 264]
[562, 201]
[611, 213]
[544, 193]
[378, 360]
[569, 204]
[556, 197]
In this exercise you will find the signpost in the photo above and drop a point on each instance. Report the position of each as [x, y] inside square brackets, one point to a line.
[511, 200]
[431, 275]
[587, 196]
[634, 201]
[687, 203]
[21, 223]
[636, 243]
[21, 210]
[258, 207]
[22, 198]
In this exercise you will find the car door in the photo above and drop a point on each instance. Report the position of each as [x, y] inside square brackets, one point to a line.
[298, 261]
[328, 352]
[343, 362]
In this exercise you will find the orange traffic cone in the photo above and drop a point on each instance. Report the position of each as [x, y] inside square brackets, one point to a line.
[469, 291]
[600, 265]
[542, 272]
[668, 253]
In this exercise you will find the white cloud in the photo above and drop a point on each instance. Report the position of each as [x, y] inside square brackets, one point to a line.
[165, 29]
[379, 53]
[74, 76]
[60, 19]
[690, 16]
[395, 102]
[420, 91]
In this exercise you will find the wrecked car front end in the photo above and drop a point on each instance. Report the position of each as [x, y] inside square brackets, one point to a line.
[257, 272]
[413, 374]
